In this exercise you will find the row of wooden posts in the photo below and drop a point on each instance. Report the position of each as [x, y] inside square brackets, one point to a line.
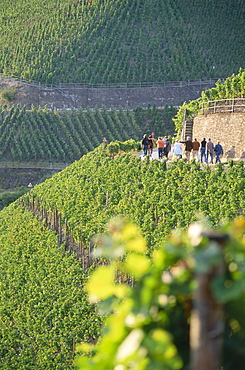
[53, 220]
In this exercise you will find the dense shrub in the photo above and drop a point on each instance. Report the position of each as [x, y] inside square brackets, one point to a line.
[8, 94]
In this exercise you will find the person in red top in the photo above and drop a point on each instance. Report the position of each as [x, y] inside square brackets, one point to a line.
[160, 146]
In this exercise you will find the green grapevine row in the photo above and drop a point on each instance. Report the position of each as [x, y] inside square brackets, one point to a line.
[41, 135]
[192, 285]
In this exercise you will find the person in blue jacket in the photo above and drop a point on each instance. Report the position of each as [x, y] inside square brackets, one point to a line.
[218, 151]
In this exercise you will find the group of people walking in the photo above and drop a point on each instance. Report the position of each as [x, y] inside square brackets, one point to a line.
[203, 151]
[163, 146]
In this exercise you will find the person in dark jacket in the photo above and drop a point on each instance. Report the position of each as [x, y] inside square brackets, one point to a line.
[145, 142]
[167, 148]
[188, 147]
[203, 147]
[218, 151]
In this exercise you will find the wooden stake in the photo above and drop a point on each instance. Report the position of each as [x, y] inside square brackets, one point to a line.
[207, 324]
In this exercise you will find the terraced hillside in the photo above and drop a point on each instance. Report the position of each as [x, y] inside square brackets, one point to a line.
[231, 88]
[100, 41]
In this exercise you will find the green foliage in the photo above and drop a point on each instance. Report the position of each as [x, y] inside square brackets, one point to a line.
[118, 41]
[43, 306]
[8, 94]
[137, 335]
[128, 146]
[113, 148]
[55, 314]
[156, 120]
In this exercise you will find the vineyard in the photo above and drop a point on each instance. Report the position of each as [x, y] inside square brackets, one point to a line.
[69, 244]
[105, 41]
[45, 329]
[158, 199]
[62, 137]
[43, 305]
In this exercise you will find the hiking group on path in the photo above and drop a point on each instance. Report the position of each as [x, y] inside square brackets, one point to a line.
[200, 151]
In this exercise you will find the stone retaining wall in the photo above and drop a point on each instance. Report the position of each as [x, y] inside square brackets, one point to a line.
[125, 97]
[226, 127]
[61, 98]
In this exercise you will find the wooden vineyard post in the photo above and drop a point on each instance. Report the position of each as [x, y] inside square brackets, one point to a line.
[60, 233]
[155, 215]
[206, 324]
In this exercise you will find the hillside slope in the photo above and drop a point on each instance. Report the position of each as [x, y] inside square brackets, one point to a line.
[44, 308]
[95, 188]
[101, 41]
